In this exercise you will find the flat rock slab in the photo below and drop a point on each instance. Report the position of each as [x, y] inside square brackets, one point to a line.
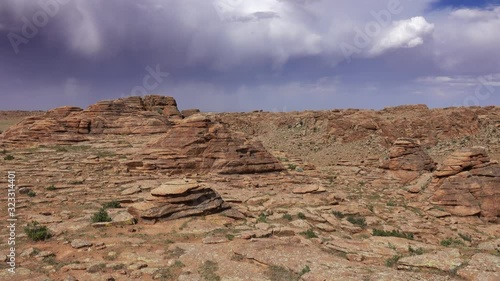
[79, 243]
[312, 188]
[173, 189]
[132, 190]
[482, 267]
[444, 260]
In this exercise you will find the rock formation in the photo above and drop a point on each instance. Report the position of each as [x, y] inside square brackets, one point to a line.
[198, 144]
[468, 184]
[407, 154]
[188, 112]
[408, 160]
[178, 199]
[132, 115]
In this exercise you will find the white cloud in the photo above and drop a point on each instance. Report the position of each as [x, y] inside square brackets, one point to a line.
[403, 34]
[467, 40]
[83, 33]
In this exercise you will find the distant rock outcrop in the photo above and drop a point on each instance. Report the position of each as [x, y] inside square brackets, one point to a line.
[408, 160]
[468, 184]
[178, 199]
[407, 154]
[132, 115]
[199, 144]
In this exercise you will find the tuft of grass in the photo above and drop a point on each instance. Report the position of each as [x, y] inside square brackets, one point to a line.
[292, 166]
[111, 205]
[176, 252]
[391, 203]
[338, 214]
[280, 273]
[394, 233]
[309, 234]
[104, 154]
[287, 217]
[305, 270]
[76, 182]
[417, 251]
[31, 193]
[52, 187]
[8, 157]
[262, 218]
[465, 237]
[208, 270]
[301, 216]
[101, 216]
[37, 232]
[359, 221]
[230, 237]
[448, 242]
[390, 262]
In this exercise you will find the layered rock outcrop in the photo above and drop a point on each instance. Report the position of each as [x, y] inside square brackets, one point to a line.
[132, 115]
[407, 160]
[407, 154]
[200, 144]
[468, 184]
[178, 199]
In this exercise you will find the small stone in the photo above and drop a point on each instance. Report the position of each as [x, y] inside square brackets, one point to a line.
[307, 189]
[78, 243]
[96, 268]
[137, 266]
[132, 190]
[214, 240]
[70, 278]
[28, 252]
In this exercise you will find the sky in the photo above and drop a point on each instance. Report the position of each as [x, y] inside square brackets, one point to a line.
[243, 55]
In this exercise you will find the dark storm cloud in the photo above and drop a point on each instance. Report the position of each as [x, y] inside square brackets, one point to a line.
[240, 55]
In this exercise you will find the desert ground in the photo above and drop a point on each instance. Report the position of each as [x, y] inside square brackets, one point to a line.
[136, 189]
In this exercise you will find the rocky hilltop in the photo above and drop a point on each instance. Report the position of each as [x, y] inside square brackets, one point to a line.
[136, 189]
[133, 115]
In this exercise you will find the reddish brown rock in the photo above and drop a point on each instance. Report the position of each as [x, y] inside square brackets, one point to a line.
[188, 112]
[407, 161]
[459, 161]
[407, 154]
[178, 199]
[132, 115]
[198, 144]
[468, 184]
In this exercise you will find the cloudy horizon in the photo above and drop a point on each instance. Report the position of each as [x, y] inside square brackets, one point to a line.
[242, 55]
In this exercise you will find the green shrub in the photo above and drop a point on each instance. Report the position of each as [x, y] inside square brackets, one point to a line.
[31, 193]
[309, 234]
[338, 214]
[301, 216]
[359, 221]
[465, 237]
[101, 216]
[262, 218]
[9, 157]
[37, 232]
[305, 270]
[390, 262]
[230, 237]
[287, 217]
[52, 187]
[395, 233]
[417, 251]
[292, 166]
[391, 203]
[451, 242]
[111, 205]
